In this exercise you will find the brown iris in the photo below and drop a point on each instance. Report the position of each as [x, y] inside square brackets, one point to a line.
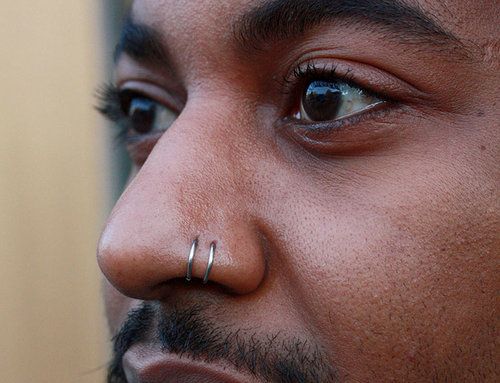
[321, 101]
[142, 114]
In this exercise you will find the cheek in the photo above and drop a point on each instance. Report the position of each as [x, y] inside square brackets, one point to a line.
[392, 270]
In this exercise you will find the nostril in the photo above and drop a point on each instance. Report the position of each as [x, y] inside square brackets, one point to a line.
[141, 260]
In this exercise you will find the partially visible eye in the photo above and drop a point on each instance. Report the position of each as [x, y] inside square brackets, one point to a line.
[146, 116]
[330, 100]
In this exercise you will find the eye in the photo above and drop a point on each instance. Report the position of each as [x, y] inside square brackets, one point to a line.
[330, 100]
[144, 115]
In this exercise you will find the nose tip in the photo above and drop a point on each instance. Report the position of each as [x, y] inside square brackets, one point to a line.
[140, 266]
[132, 266]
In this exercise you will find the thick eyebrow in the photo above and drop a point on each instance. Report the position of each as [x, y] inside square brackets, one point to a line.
[277, 20]
[142, 43]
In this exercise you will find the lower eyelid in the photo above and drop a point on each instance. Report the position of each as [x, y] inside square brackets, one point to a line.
[367, 109]
[347, 120]
[140, 146]
[138, 139]
[360, 131]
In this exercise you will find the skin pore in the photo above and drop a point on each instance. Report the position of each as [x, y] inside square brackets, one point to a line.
[343, 157]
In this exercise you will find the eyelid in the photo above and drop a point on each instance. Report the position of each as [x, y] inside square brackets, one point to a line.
[369, 78]
[153, 92]
[342, 123]
[360, 133]
[347, 117]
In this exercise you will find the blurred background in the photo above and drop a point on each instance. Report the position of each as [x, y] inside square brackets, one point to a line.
[59, 177]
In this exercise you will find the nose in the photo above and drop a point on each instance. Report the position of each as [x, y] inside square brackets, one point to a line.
[194, 187]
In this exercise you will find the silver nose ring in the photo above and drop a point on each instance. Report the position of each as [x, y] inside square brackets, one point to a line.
[192, 252]
[189, 272]
[210, 263]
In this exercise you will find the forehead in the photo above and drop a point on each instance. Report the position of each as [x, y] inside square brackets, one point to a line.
[186, 16]
[470, 20]
[192, 10]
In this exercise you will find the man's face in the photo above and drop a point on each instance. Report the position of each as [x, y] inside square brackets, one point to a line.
[342, 158]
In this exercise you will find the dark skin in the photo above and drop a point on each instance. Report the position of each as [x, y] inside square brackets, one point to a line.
[369, 232]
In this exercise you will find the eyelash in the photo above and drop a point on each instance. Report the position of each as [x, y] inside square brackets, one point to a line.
[111, 106]
[313, 71]
[294, 83]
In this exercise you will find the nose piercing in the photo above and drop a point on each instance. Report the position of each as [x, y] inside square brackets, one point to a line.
[190, 260]
[210, 263]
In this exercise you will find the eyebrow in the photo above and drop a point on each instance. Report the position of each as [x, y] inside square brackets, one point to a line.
[283, 19]
[277, 20]
[142, 43]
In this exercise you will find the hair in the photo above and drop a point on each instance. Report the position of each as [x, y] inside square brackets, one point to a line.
[190, 334]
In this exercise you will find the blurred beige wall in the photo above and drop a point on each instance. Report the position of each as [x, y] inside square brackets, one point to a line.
[51, 192]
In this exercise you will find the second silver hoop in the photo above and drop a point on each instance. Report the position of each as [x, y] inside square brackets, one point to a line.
[210, 263]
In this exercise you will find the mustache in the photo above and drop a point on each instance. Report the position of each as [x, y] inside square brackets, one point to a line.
[188, 332]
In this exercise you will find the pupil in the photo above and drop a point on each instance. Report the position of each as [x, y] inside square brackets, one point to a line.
[142, 115]
[322, 100]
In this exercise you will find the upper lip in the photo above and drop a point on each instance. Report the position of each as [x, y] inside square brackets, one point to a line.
[147, 364]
